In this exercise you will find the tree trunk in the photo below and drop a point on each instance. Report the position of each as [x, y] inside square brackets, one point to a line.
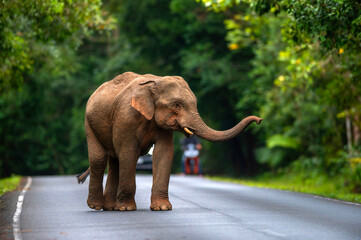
[356, 130]
[348, 133]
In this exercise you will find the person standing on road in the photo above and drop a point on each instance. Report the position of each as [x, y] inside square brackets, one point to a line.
[191, 147]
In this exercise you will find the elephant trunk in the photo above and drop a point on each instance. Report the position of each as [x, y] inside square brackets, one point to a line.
[200, 129]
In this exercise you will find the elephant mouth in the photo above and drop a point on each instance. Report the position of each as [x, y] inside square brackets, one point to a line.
[187, 131]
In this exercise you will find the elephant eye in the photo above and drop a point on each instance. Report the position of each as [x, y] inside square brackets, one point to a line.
[177, 105]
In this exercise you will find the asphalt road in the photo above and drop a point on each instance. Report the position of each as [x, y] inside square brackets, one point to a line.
[55, 208]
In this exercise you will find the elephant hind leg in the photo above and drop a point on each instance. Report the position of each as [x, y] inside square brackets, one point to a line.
[111, 187]
[126, 184]
[98, 163]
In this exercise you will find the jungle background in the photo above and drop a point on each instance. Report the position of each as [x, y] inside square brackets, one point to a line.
[294, 63]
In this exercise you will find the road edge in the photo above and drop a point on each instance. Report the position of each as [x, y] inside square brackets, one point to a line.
[288, 190]
[19, 205]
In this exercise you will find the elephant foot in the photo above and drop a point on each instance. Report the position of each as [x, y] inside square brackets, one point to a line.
[160, 204]
[95, 203]
[108, 208]
[125, 206]
[109, 205]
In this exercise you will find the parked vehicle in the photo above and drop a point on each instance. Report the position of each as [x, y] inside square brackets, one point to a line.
[145, 163]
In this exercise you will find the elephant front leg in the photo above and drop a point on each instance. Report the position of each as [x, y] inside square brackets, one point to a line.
[162, 164]
[126, 185]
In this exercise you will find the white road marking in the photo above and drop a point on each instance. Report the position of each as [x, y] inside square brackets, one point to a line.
[273, 233]
[337, 200]
[19, 206]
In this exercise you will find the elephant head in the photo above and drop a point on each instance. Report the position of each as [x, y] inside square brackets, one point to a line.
[173, 105]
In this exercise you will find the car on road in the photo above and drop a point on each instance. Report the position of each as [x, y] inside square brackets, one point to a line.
[145, 163]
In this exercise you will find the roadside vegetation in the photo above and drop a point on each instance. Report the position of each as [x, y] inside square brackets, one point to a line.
[321, 185]
[9, 184]
[293, 63]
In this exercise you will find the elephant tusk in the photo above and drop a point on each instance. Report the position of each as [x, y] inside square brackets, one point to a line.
[187, 131]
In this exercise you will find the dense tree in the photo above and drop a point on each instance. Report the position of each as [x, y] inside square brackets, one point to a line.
[38, 61]
[26, 24]
[305, 66]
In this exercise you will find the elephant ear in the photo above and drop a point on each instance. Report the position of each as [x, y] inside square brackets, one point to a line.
[142, 99]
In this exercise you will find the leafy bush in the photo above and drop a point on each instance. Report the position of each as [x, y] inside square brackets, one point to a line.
[9, 184]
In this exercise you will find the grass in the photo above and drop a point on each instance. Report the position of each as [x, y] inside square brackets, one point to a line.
[318, 185]
[9, 184]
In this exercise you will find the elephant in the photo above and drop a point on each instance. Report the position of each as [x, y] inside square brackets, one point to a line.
[124, 117]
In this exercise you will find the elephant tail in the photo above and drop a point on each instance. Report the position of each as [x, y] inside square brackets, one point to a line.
[82, 177]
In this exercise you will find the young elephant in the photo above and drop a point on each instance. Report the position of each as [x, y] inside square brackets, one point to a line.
[124, 118]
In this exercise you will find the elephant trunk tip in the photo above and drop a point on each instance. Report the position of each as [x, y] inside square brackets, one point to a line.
[259, 120]
[251, 119]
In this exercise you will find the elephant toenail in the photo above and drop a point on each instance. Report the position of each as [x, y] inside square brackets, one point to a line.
[164, 208]
[98, 207]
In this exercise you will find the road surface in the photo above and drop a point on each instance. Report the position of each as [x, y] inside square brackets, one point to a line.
[55, 208]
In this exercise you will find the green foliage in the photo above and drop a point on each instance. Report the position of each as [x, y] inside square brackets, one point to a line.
[279, 140]
[9, 184]
[355, 178]
[273, 158]
[38, 81]
[305, 76]
[334, 24]
[24, 24]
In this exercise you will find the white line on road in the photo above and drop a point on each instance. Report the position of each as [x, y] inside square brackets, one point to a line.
[336, 200]
[19, 206]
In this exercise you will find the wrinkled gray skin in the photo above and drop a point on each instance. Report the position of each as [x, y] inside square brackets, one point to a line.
[124, 118]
